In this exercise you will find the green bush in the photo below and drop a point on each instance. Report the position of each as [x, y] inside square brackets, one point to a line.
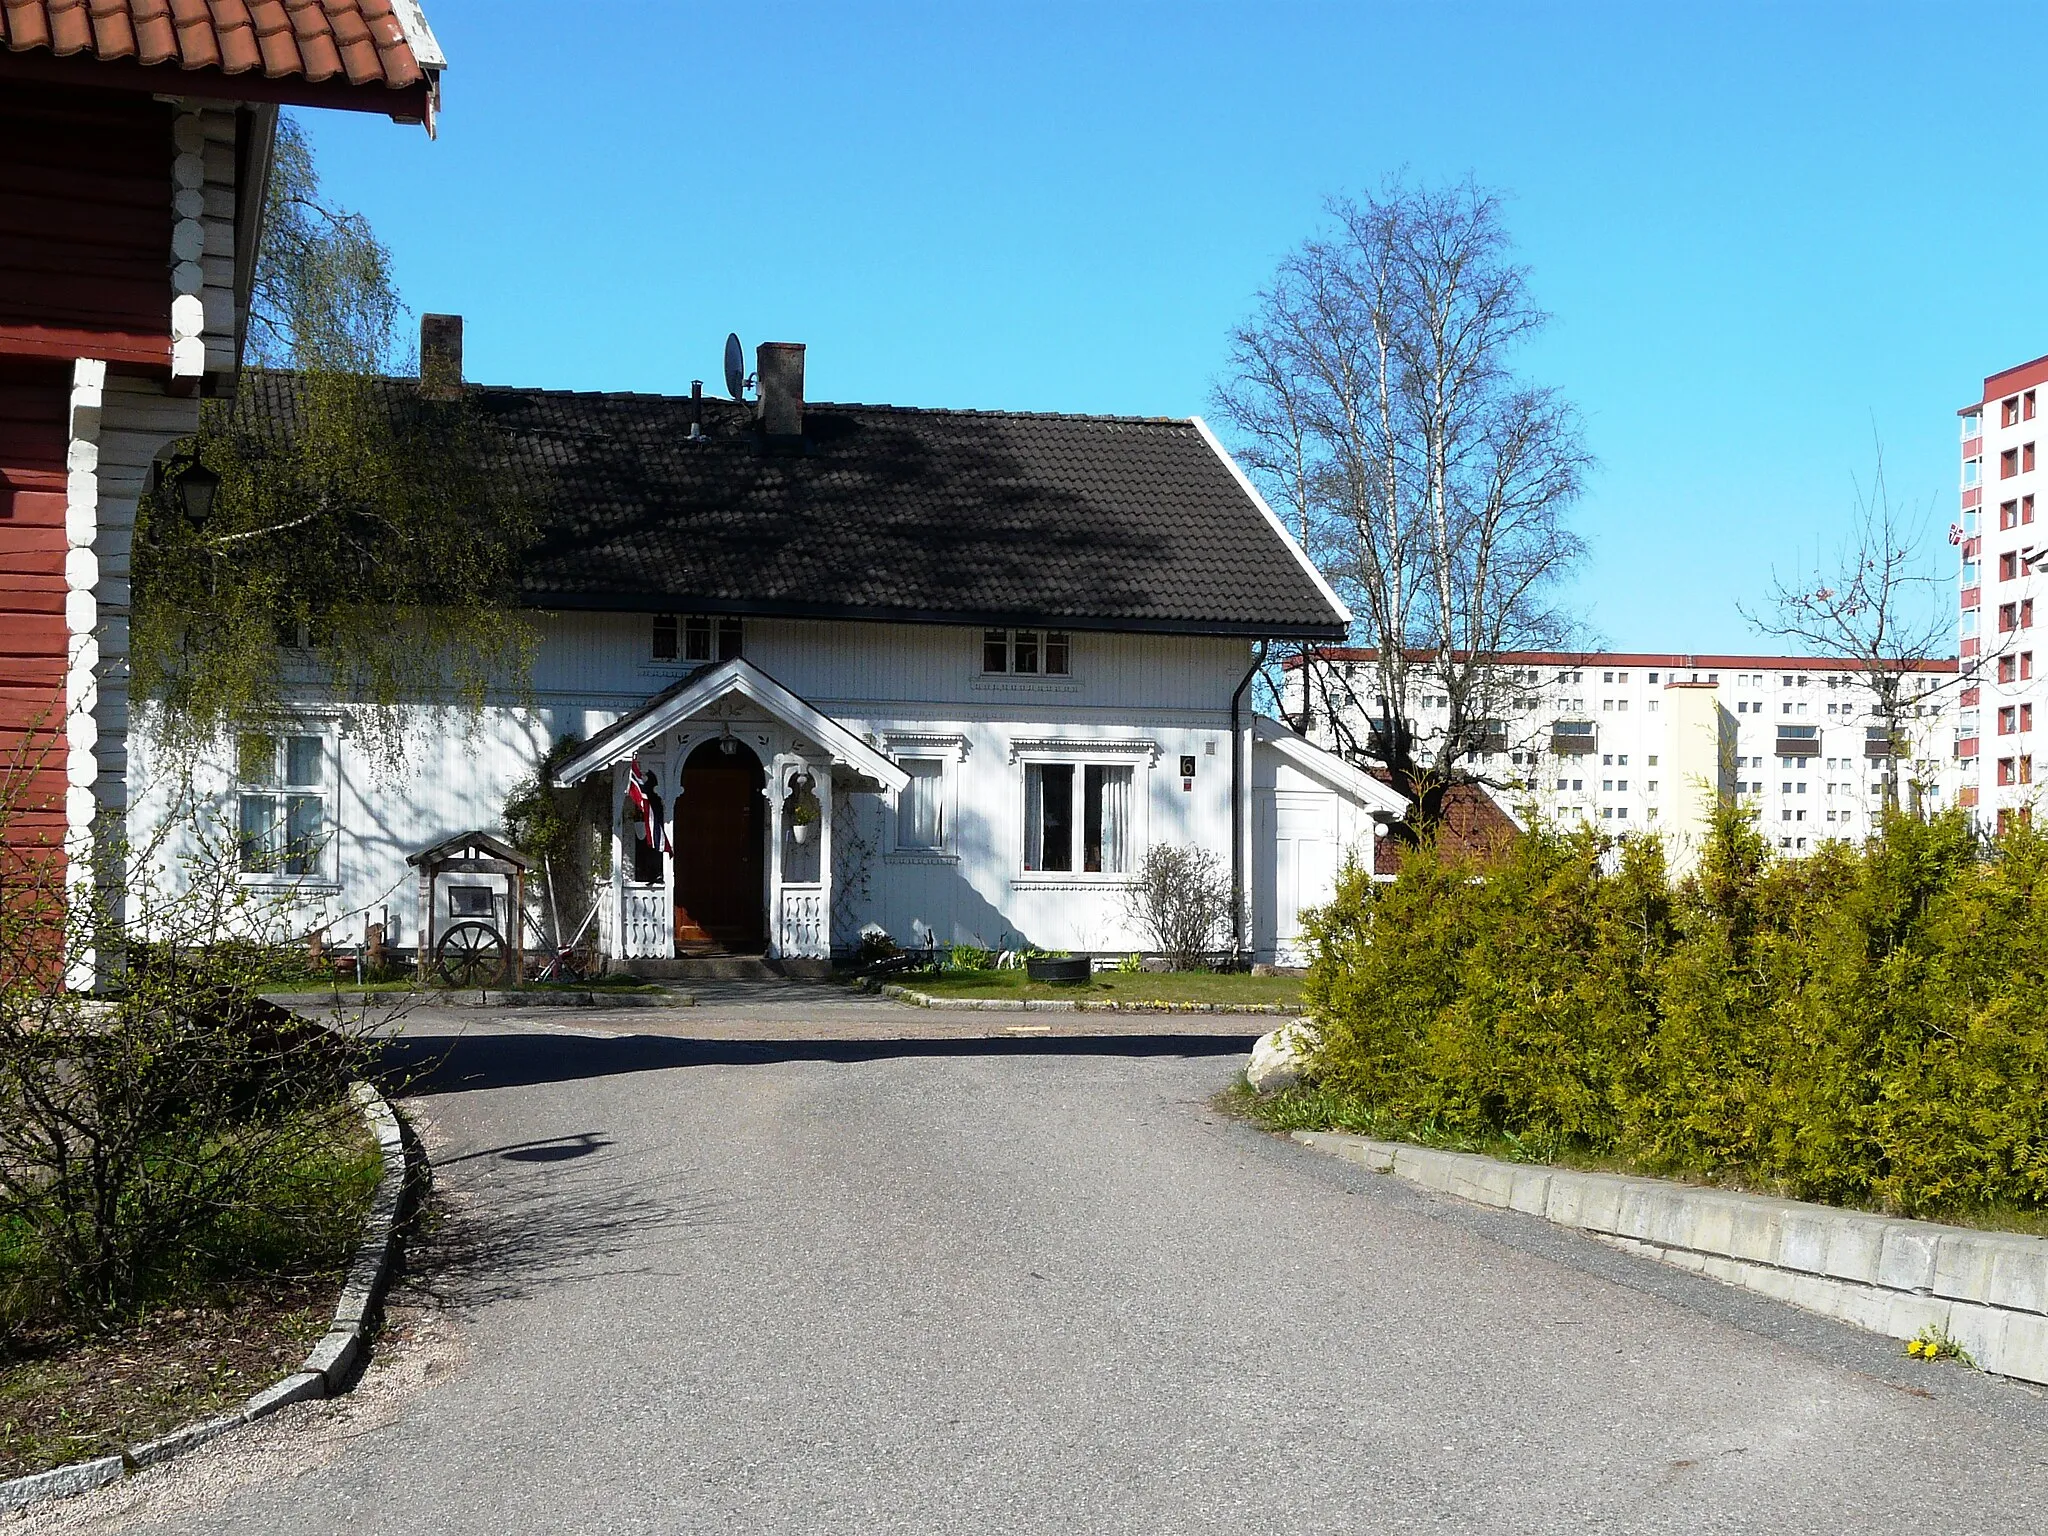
[1862, 1026]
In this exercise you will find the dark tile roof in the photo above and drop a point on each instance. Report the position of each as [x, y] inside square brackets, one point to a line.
[893, 513]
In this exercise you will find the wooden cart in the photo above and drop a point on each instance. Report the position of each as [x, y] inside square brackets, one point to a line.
[476, 944]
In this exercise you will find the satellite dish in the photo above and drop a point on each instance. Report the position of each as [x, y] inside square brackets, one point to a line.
[735, 367]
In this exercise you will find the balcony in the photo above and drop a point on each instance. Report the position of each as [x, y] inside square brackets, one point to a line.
[1574, 736]
[1799, 741]
[1878, 743]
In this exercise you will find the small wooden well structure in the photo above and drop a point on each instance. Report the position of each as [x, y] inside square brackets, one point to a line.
[472, 853]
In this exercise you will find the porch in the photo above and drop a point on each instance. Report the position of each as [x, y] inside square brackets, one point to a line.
[729, 847]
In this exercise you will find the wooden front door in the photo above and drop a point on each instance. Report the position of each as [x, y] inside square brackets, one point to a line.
[721, 852]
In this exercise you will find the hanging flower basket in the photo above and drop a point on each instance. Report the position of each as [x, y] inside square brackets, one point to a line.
[800, 809]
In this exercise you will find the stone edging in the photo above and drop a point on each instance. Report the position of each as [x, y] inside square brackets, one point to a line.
[1988, 1291]
[494, 998]
[1074, 1005]
[321, 1374]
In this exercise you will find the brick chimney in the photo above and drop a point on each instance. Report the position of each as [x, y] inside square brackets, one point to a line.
[440, 357]
[779, 380]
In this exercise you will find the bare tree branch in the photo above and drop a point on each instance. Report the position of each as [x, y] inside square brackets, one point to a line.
[1878, 604]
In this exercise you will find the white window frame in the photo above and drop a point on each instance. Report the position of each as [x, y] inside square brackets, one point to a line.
[1009, 672]
[1140, 757]
[710, 624]
[946, 848]
[325, 875]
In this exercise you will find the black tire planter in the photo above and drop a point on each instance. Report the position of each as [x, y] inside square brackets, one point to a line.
[1061, 971]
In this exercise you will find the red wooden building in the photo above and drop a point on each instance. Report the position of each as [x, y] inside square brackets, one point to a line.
[135, 143]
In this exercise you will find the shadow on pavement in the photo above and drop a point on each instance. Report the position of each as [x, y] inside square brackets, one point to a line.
[462, 1063]
[524, 1238]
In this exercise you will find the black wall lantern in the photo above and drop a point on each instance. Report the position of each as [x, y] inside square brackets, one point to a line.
[192, 482]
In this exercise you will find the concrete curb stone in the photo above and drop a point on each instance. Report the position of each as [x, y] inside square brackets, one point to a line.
[490, 999]
[1986, 1290]
[323, 1373]
[1077, 1005]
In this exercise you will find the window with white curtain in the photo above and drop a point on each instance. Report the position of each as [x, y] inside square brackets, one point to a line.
[921, 808]
[1077, 812]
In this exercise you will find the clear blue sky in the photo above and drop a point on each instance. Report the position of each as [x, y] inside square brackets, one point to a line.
[1769, 235]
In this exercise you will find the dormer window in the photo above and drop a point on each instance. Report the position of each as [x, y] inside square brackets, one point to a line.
[1027, 652]
[695, 637]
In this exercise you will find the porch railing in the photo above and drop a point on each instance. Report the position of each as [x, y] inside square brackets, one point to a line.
[649, 926]
[803, 926]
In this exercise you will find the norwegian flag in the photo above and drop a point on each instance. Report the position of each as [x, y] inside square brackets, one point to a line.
[652, 832]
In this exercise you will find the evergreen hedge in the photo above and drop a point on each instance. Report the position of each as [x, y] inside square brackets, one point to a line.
[1862, 1026]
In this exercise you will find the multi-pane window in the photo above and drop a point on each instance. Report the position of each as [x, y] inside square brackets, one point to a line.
[1027, 652]
[921, 808]
[281, 815]
[695, 637]
[1077, 816]
[2008, 463]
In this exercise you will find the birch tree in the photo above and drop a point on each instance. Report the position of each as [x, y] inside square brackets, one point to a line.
[1373, 399]
[358, 531]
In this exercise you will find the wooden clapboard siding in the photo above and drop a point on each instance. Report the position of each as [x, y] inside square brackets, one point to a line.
[85, 213]
[34, 437]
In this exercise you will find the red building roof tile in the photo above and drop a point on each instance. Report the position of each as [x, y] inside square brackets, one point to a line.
[343, 43]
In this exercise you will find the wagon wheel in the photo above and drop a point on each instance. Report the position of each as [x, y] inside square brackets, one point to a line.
[470, 955]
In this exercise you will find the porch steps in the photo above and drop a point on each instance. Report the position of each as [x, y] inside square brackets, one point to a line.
[705, 968]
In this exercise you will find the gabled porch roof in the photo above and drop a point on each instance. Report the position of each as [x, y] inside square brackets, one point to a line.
[705, 686]
[1328, 768]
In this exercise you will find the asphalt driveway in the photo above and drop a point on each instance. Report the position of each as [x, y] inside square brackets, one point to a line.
[1036, 1284]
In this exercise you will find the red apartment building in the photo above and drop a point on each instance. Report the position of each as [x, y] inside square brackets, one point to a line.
[2004, 545]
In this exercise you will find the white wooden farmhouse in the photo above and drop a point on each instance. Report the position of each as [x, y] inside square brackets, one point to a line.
[947, 672]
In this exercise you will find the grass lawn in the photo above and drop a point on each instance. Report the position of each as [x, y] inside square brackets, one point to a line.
[1117, 986]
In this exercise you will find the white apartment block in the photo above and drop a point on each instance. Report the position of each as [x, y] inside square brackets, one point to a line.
[2000, 547]
[1643, 741]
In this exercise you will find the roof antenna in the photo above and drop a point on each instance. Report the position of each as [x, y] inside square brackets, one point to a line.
[696, 410]
[736, 380]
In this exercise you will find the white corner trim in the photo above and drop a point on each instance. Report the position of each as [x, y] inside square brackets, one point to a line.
[1328, 768]
[81, 577]
[188, 245]
[1082, 746]
[1272, 517]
